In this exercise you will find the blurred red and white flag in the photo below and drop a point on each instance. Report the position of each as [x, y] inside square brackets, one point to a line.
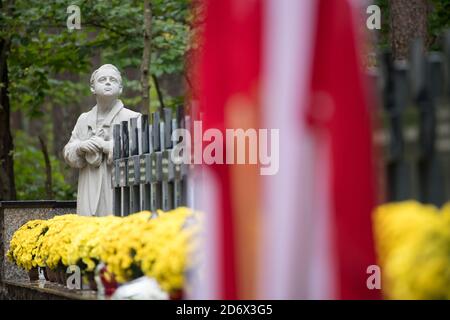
[318, 230]
[304, 232]
[228, 89]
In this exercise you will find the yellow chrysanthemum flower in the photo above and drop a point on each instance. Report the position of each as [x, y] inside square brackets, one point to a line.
[130, 246]
[413, 246]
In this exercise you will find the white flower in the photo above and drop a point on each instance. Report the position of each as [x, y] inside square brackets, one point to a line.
[143, 288]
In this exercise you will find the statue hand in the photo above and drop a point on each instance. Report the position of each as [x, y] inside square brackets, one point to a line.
[101, 133]
[103, 145]
[90, 146]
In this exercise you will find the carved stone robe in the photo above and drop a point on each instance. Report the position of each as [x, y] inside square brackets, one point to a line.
[95, 194]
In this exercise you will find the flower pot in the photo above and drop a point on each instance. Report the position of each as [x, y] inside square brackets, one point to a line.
[33, 274]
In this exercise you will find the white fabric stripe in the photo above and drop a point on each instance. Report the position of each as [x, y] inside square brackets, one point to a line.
[322, 273]
[291, 233]
[205, 282]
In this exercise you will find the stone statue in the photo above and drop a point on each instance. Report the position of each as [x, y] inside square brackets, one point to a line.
[90, 147]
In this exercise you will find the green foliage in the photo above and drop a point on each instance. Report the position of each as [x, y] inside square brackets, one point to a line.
[383, 40]
[42, 49]
[42, 46]
[29, 170]
[39, 50]
[438, 21]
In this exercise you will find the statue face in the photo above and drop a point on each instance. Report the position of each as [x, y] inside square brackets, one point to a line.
[107, 83]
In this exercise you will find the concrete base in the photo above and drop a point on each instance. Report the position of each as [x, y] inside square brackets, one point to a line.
[41, 290]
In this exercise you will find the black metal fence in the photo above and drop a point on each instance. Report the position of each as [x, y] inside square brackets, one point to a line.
[144, 175]
[416, 99]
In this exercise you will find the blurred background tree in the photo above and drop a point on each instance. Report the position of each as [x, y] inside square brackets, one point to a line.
[404, 20]
[45, 70]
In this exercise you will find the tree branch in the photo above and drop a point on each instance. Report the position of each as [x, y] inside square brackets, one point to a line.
[145, 66]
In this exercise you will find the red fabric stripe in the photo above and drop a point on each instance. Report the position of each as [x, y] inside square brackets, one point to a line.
[337, 75]
[229, 66]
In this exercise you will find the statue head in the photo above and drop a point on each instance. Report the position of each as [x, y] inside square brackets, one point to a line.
[106, 81]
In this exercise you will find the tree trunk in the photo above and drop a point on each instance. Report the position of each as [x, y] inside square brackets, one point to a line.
[48, 169]
[7, 186]
[408, 20]
[145, 67]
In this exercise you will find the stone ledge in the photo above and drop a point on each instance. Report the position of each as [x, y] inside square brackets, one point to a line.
[43, 290]
[38, 204]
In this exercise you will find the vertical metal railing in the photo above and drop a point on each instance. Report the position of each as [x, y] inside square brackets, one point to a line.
[144, 175]
[417, 83]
